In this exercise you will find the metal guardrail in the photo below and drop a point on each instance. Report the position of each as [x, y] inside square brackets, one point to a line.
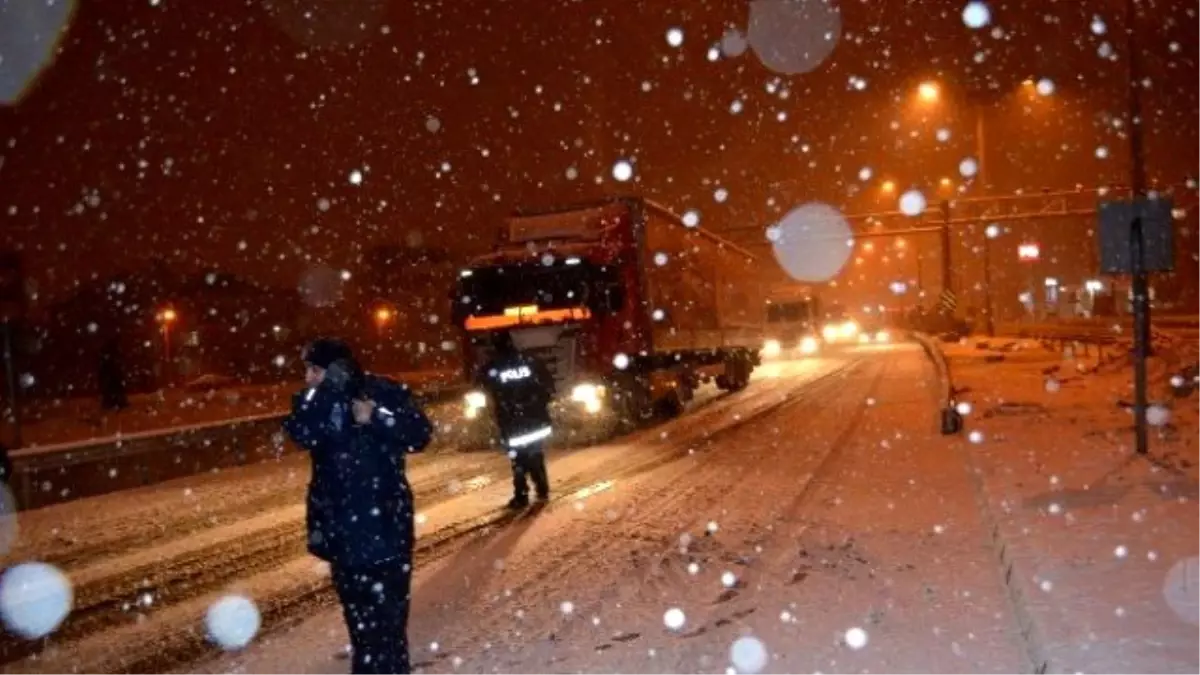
[53, 474]
[1110, 329]
[950, 419]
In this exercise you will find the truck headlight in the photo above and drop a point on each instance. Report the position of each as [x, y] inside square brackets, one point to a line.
[882, 336]
[849, 329]
[772, 348]
[808, 345]
[830, 332]
[864, 339]
[591, 396]
[473, 402]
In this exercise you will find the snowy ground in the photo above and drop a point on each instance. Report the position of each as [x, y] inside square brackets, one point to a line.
[818, 514]
[838, 511]
[1101, 543]
[146, 563]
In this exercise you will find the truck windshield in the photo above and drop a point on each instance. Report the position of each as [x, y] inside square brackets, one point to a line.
[789, 312]
[490, 290]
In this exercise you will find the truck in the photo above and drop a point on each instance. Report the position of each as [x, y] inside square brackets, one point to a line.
[792, 322]
[630, 307]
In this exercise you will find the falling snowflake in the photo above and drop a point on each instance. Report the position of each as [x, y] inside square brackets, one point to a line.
[976, 15]
[968, 167]
[691, 218]
[356, 177]
[748, 655]
[721, 194]
[674, 618]
[963, 408]
[975, 436]
[728, 579]
[675, 37]
[621, 361]
[1045, 86]
[856, 638]
[233, 621]
[567, 607]
[912, 203]
[864, 174]
[1157, 415]
[1120, 551]
[35, 598]
[622, 170]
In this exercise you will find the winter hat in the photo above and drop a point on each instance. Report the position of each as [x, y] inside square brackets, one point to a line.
[322, 352]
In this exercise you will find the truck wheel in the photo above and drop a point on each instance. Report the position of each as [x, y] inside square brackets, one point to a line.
[632, 403]
[737, 372]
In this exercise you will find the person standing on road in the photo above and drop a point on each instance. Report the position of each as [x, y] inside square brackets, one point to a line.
[520, 388]
[357, 429]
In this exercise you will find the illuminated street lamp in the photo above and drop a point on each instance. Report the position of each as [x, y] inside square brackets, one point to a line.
[888, 187]
[929, 91]
[383, 316]
[167, 317]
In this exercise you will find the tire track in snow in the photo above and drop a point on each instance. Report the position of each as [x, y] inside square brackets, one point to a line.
[641, 539]
[196, 574]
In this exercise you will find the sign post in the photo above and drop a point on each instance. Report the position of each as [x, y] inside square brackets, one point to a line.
[12, 308]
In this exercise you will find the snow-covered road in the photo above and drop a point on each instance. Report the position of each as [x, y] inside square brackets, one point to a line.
[826, 521]
[146, 563]
[815, 522]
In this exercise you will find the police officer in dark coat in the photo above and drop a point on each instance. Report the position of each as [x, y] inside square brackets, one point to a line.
[357, 429]
[520, 389]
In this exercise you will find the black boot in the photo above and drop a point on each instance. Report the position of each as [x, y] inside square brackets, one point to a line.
[518, 502]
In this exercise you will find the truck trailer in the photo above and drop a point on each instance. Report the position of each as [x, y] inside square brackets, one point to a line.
[630, 308]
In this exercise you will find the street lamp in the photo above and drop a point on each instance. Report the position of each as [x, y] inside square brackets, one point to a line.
[383, 316]
[888, 187]
[929, 91]
[167, 317]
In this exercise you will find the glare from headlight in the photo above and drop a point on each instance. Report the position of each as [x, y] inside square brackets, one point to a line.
[473, 402]
[882, 336]
[772, 348]
[808, 345]
[830, 332]
[590, 395]
[864, 339]
[849, 329]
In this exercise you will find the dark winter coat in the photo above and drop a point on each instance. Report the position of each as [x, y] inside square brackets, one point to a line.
[519, 388]
[360, 506]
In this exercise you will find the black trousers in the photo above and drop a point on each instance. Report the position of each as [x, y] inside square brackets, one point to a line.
[375, 604]
[530, 461]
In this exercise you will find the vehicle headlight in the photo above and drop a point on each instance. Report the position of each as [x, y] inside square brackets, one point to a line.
[864, 339]
[473, 402]
[590, 395]
[772, 348]
[882, 336]
[849, 329]
[830, 332]
[808, 345]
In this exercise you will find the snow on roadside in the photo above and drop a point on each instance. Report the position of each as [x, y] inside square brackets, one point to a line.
[880, 566]
[461, 506]
[1094, 534]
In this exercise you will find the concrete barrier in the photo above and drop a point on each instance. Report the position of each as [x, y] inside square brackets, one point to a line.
[53, 474]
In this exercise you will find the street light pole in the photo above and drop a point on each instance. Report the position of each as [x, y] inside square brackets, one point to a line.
[1141, 284]
[980, 147]
[987, 280]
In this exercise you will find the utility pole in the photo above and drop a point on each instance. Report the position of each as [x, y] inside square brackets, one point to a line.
[987, 281]
[1137, 242]
[944, 234]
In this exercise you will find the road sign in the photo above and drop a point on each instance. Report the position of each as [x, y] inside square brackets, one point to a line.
[948, 301]
[1114, 231]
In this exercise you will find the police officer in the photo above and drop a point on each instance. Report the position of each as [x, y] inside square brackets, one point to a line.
[357, 429]
[520, 388]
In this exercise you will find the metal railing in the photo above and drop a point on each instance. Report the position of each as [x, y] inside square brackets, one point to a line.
[51, 474]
